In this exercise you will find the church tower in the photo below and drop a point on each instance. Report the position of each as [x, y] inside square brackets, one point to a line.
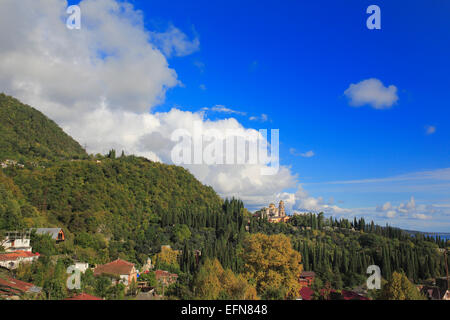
[281, 211]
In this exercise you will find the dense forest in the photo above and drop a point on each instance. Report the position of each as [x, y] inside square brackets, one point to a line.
[128, 207]
[26, 134]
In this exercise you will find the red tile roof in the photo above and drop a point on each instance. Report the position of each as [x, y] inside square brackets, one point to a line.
[162, 273]
[84, 296]
[350, 295]
[306, 293]
[17, 255]
[117, 267]
[15, 285]
[308, 274]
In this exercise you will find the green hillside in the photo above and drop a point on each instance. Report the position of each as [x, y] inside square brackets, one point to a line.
[108, 206]
[27, 134]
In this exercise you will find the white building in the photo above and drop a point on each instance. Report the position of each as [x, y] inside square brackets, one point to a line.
[16, 241]
[82, 266]
[12, 260]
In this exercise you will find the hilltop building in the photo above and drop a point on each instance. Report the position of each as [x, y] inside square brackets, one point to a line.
[273, 214]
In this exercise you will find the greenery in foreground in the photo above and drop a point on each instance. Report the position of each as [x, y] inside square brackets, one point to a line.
[128, 207]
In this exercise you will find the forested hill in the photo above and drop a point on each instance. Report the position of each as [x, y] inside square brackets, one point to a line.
[27, 134]
[123, 204]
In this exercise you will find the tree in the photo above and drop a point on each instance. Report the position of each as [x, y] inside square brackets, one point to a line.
[212, 282]
[272, 263]
[167, 258]
[400, 288]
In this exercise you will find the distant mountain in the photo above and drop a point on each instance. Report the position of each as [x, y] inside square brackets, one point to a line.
[27, 134]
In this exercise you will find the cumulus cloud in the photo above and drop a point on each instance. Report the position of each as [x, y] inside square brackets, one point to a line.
[306, 203]
[372, 92]
[408, 209]
[100, 84]
[66, 72]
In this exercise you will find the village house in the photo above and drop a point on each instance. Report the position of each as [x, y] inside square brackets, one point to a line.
[16, 241]
[12, 260]
[57, 234]
[13, 289]
[307, 278]
[123, 271]
[81, 266]
[84, 297]
[165, 277]
[306, 293]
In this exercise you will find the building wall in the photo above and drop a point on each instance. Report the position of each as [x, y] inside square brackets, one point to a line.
[17, 245]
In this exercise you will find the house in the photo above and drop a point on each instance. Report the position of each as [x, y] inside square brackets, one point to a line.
[16, 241]
[306, 293]
[84, 297]
[12, 289]
[435, 293]
[307, 278]
[350, 295]
[124, 271]
[12, 260]
[56, 233]
[165, 277]
[81, 266]
[446, 296]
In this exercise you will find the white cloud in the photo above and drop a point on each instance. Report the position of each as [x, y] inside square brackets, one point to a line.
[391, 214]
[308, 154]
[306, 203]
[174, 42]
[372, 92]
[408, 209]
[67, 72]
[421, 216]
[262, 118]
[222, 109]
[99, 83]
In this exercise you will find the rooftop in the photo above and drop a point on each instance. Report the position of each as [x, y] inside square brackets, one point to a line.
[117, 267]
[14, 286]
[84, 296]
[17, 255]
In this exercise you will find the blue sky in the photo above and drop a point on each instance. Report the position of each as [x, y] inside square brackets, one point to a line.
[293, 60]
[289, 65]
